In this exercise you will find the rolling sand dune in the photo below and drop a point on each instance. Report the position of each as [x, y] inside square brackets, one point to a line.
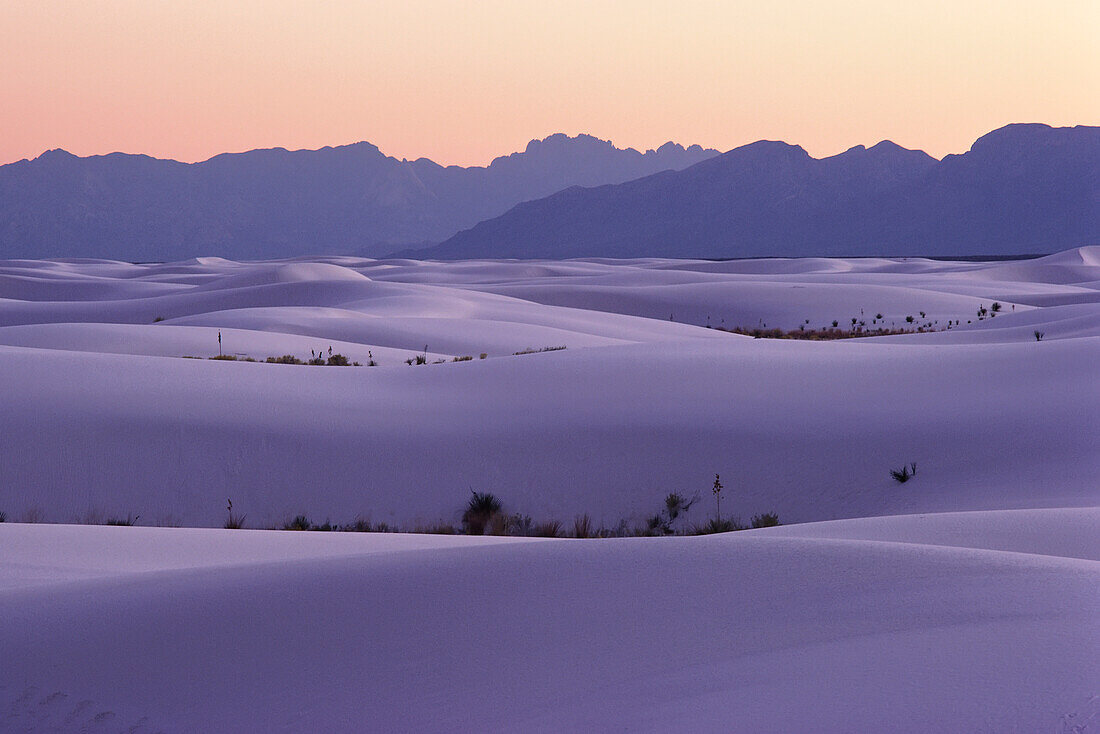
[964, 600]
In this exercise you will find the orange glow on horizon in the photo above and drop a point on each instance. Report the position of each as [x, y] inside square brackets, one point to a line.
[463, 82]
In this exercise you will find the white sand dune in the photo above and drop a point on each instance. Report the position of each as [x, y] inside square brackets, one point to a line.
[963, 600]
[811, 628]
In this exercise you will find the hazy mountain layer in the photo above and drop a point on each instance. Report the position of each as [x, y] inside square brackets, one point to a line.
[277, 203]
[1020, 189]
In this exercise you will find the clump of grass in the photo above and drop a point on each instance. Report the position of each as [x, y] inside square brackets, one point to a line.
[481, 508]
[224, 358]
[548, 529]
[3, 516]
[439, 528]
[285, 359]
[537, 351]
[316, 361]
[300, 522]
[127, 521]
[483, 355]
[233, 521]
[1039, 335]
[338, 360]
[715, 525]
[767, 520]
[583, 527]
[466, 358]
[158, 319]
[905, 473]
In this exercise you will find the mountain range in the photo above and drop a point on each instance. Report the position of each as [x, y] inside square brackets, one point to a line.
[1021, 189]
[278, 203]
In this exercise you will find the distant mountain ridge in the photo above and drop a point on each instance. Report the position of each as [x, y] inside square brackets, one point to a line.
[277, 203]
[1024, 188]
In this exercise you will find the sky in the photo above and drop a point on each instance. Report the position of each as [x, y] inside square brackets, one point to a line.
[462, 82]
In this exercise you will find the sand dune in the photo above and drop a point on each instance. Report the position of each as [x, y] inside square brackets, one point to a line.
[962, 600]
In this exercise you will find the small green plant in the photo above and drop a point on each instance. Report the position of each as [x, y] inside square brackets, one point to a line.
[483, 355]
[1039, 335]
[905, 473]
[481, 508]
[338, 360]
[233, 521]
[767, 520]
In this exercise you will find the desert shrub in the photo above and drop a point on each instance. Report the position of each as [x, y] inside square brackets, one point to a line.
[767, 520]
[480, 511]
[3, 517]
[338, 360]
[440, 528]
[995, 307]
[127, 521]
[467, 358]
[835, 323]
[317, 362]
[158, 319]
[483, 355]
[905, 473]
[225, 357]
[233, 521]
[537, 351]
[520, 525]
[1039, 335]
[285, 359]
[583, 527]
[422, 359]
[663, 523]
[300, 522]
[908, 319]
[548, 529]
[714, 525]
[878, 317]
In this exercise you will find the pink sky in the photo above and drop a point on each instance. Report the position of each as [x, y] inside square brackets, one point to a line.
[462, 82]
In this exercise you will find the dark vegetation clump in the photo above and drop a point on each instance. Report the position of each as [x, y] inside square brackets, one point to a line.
[537, 351]
[127, 521]
[767, 520]
[233, 521]
[905, 473]
[285, 359]
[481, 509]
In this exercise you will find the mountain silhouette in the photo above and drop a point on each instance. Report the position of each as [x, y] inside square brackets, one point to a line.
[277, 203]
[1025, 188]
